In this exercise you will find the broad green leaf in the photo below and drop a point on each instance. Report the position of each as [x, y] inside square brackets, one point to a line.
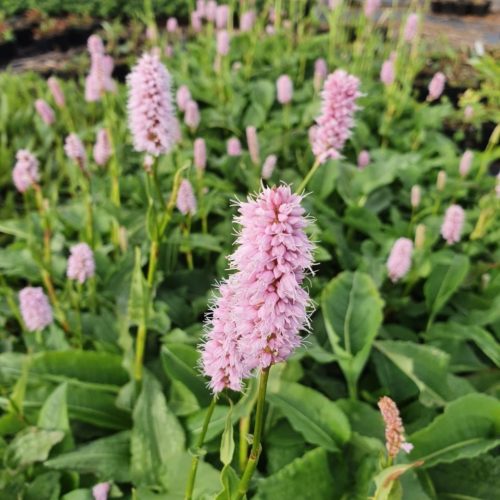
[468, 427]
[262, 92]
[317, 418]
[229, 480]
[445, 278]
[156, 434]
[227, 440]
[137, 300]
[387, 481]
[45, 486]
[306, 477]
[107, 458]
[352, 311]
[54, 412]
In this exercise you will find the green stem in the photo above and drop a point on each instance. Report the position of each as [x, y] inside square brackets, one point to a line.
[309, 176]
[253, 459]
[196, 458]
[244, 429]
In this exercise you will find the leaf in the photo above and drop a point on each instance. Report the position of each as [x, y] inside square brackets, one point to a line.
[306, 477]
[262, 92]
[45, 486]
[352, 311]
[156, 435]
[468, 427]
[107, 458]
[317, 418]
[54, 412]
[388, 480]
[227, 440]
[30, 446]
[137, 299]
[229, 480]
[445, 278]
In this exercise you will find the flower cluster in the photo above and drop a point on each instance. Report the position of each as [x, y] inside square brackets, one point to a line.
[399, 261]
[81, 264]
[394, 430]
[99, 79]
[35, 308]
[25, 173]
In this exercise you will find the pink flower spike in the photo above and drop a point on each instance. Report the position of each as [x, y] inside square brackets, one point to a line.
[335, 123]
[25, 173]
[284, 87]
[253, 144]
[172, 25]
[201, 7]
[466, 163]
[186, 201]
[56, 91]
[95, 45]
[363, 159]
[371, 7]
[451, 229]
[35, 308]
[387, 73]
[75, 150]
[268, 167]
[399, 261]
[411, 27]
[247, 21]
[200, 154]
[468, 112]
[102, 147]
[394, 430]
[192, 115]
[233, 147]
[223, 43]
[221, 16]
[100, 491]
[45, 112]
[211, 10]
[415, 196]
[81, 265]
[183, 96]
[196, 21]
[436, 86]
[151, 113]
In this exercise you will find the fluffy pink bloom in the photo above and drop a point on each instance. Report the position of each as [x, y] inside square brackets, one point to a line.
[363, 159]
[81, 265]
[99, 79]
[233, 147]
[222, 43]
[95, 44]
[399, 261]
[151, 113]
[45, 112]
[371, 6]
[270, 29]
[394, 430]
[320, 72]
[451, 229]
[186, 201]
[465, 163]
[25, 172]
[172, 25]
[196, 21]
[387, 72]
[100, 491]
[56, 91]
[468, 112]
[183, 96]
[200, 154]
[75, 150]
[411, 27]
[35, 308]
[221, 16]
[253, 144]
[284, 88]
[211, 10]
[192, 115]
[268, 167]
[247, 20]
[201, 7]
[336, 120]
[272, 259]
[415, 196]
[436, 86]
[102, 147]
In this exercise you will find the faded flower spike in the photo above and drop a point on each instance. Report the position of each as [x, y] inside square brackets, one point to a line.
[394, 430]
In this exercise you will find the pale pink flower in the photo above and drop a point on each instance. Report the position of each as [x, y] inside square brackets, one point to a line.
[387, 72]
[95, 44]
[183, 96]
[223, 43]
[45, 112]
[172, 25]
[394, 431]
[233, 147]
[100, 491]
[186, 201]
[335, 123]
[411, 27]
[169, 51]
[56, 91]
[192, 115]
[399, 261]
[468, 112]
[81, 264]
[102, 147]
[200, 154]
[320, 72]
[371, 6]
[211, 10]
[436, 86]
[415, 196]
[201, 7]
[75, 150]
[151, 112]
[25, 172]
[451, 229]
[270, 29]
[284, 88]
[148, 163]
[247, 21]
[465, 163]
[222, 16]
[196, 21]
[268, 167]
[99, 79]
[363, 159]
[35, 308]
[253, 144]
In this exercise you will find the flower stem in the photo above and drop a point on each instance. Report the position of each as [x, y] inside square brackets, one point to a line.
[309, 176]
[253, 459]
[196, 457]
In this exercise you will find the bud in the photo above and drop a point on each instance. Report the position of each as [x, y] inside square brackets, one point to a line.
[420, 236]
[415, 196]
[441, 180]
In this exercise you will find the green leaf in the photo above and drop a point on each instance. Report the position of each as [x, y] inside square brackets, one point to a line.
[45, 486]
[445, 278]
[387, 481]
[227, 440]
[306, 477]
[156, 435]
[468, 427]
[262, 92]
[352, 311]
[137, 299]
[317, 418]
[229, 480]
[107, 458]
[54, 412]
